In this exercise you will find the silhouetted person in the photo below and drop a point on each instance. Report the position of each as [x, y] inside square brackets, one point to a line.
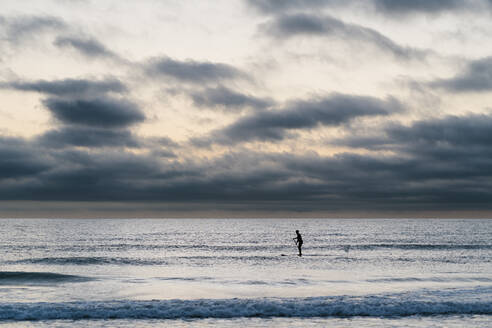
[298, 241]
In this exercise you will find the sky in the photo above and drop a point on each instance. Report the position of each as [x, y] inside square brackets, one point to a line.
[246, 108]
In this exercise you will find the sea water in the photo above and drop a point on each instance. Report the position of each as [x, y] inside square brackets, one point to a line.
[245, 272]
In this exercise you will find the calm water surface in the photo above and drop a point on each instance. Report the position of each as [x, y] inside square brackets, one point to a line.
[245, 272]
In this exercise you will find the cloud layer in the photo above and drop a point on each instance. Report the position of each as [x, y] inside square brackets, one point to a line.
[87, 46]
[68, 87]
[275, 125]
[101, 112]
[295, 106]
[290, 26]
[191, 71]
[386, 7]
[227, 99]
[432, 166]
[477, 77]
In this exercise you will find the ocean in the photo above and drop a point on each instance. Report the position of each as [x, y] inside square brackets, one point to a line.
[245, 273]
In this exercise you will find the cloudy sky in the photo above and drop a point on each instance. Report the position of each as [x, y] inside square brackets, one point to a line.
[246, 108]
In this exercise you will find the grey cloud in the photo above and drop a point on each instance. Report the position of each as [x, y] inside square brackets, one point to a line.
[158, 142]
[288, 26]
[417, 176]
[380, 181]
[477, 77]
[457, 140]
[87, 137]
[91, 176]
[228, 99]
[431, 177]
[307, 182]
[160, 146]
[421, 6]
[68, 87]
[275, 125]
[19, 159]
[387, 7]
[281, 6]
[466, 130]
[164, 153]
[19, 27]
[102, 112]
[459, 145]
[193, 71]
[124, 176]
[87, 46]
[372, 142]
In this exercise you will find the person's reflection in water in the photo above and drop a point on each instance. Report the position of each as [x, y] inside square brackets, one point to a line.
[298, 241]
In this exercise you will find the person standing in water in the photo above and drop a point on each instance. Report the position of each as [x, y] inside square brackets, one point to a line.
[298, 241]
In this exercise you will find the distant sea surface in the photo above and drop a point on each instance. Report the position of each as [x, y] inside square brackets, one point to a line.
[245, 273]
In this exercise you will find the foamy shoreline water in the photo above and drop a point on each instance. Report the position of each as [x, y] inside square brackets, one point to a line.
[370, 306]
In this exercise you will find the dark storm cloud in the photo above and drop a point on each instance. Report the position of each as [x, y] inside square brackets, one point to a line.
[477, 77]
[438, 163]
[87, 137]
[77, 181]
[228, 99]
[307, 182]
[19, 159]
[97, 176]
[473, 129]
[453, 148]
[274, 125]
[68, 87]
[289, 26]
[87, 46]
[101, 112]
[447, 160]
[395, 182]
[192, 71]
[433, 165]
[124, 176]
[450, 131]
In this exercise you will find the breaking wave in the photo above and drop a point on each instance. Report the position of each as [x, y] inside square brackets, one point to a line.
[342, 306]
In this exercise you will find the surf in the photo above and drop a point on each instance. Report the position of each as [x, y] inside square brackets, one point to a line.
[341, 306]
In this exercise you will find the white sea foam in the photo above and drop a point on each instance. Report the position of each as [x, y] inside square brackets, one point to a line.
[371, 306]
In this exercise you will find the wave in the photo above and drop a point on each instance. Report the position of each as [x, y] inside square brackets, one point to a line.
[418, 246]
[246, 249]
[185, 278]
[22, 277]
[89, 260]
[259, 259]
[140, 246]
[302, 281]
[432, 279]
[102, 260]
[342, 306]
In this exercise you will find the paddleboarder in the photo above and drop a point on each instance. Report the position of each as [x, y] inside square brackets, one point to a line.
[298, 241]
